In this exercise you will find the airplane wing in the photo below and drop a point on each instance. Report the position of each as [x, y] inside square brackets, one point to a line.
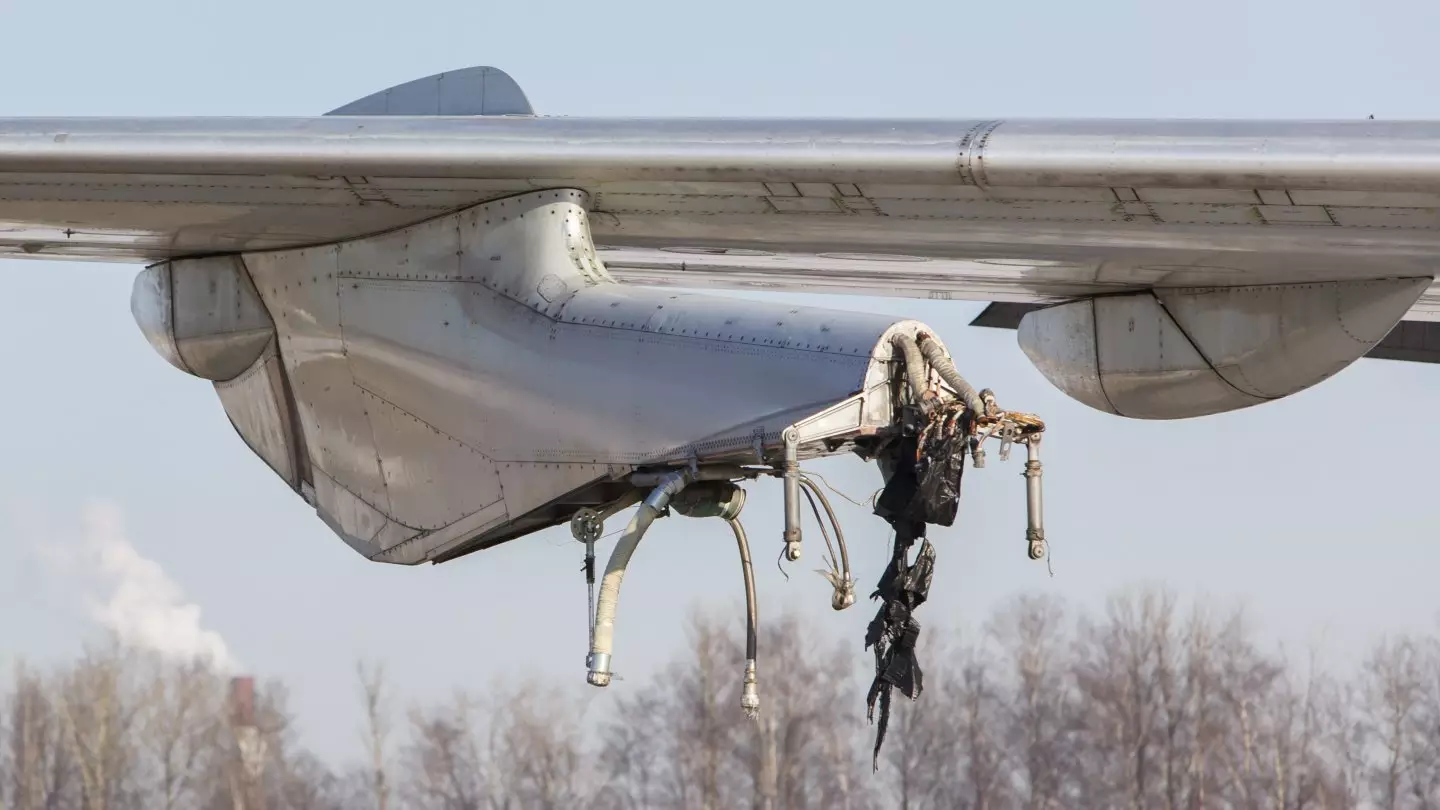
[1021, 212]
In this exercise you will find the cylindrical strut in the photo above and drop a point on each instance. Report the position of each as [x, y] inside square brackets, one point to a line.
[1034, 503]
[791, 438]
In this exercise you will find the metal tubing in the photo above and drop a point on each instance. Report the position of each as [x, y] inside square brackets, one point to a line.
[749, 696]
[792, 493]
[942, 364]
[1035, 507]
[598, 662]
[915, 370]
[844, 595]
[714, 472]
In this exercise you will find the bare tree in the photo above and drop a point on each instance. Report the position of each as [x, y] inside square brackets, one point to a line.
[1140, 707]
[1031, 633]
[540, 750]
[1119, 674]
[38, 764]
[698, 697]
[1392, 684]
[377, 731]
[797, 753]
[98, 713]
[306, 784]
[177, 729]
[447, 766]
[1424, 763]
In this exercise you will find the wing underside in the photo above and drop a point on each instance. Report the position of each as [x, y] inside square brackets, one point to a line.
[1018, 212]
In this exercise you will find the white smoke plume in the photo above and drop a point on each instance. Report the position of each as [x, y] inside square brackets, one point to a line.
[146, 608]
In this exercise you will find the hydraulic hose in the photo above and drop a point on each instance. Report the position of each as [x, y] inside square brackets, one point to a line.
[598, 662]
[942, 364]
[749, 696]
[915, 370]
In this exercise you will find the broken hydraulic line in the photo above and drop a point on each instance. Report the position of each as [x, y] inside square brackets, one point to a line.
[935, 355]
[839, 574]
[904, 586]
[924, 468]
[916, 371]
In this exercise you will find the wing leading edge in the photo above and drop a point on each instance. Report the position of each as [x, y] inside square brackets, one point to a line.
[1011, 211]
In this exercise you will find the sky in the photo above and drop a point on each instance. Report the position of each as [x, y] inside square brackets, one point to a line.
[127, 501]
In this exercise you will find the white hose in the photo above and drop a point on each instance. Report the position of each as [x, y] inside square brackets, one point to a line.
[946, 369]
[603, 645]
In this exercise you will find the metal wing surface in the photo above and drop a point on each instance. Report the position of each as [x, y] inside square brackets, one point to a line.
[1021, 211]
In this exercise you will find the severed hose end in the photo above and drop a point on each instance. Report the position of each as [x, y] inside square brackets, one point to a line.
[750, 695]
[599, 666]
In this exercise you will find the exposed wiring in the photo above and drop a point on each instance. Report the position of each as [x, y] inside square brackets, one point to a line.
[814, 508]
[838, 575]
[829, 486]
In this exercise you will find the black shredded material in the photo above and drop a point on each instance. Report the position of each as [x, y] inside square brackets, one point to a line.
[924, 488]
[940, 465]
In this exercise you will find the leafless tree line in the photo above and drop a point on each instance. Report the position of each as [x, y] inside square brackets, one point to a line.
[1144, 706]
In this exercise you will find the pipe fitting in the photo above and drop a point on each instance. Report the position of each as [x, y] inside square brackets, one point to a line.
[669, 486]
[712, 472]
[598, 665]
[704, 499]
[750, 695]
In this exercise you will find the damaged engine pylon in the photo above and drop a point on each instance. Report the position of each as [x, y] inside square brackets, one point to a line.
[918, 418]
[924, 465]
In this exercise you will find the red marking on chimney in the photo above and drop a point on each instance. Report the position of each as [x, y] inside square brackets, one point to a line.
[242, 701]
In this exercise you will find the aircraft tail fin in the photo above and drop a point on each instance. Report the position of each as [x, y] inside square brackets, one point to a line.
[470, 91]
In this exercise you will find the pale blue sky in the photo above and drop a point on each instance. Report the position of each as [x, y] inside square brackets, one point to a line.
[1307, 509]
